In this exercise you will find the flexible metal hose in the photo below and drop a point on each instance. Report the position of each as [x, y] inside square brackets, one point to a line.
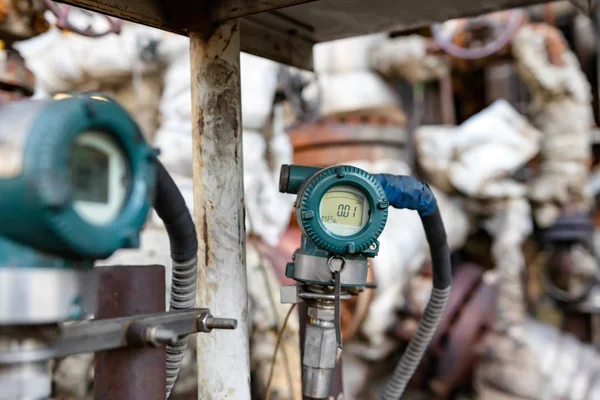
[418, 345]
[183, 296]
[407, 192]
[171, 208]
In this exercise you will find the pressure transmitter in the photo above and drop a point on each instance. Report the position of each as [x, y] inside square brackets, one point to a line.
[77, 183]
[341, 210]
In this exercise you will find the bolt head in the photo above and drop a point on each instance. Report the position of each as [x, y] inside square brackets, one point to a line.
[351, 247]
[308, 215]
[373, 246]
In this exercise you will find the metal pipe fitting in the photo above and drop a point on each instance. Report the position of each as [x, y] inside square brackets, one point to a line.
[320, 350]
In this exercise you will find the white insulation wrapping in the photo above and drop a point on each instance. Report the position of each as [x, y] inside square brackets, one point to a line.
[345, 79]
[355, 91]
[345, 55]
[478, 157]
[63, 61]
[562, 110]
[406, 57]
[268, 210]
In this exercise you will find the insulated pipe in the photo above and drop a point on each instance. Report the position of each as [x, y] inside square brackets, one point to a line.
[512, 26]
[172, 209]
[407, 192]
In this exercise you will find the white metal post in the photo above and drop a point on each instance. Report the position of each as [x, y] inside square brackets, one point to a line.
[223, 356]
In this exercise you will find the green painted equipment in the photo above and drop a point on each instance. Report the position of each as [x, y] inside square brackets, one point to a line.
[341, 209]
[77, 180]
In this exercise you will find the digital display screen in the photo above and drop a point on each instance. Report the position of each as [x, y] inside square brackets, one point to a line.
[342, 207]
[89, 174]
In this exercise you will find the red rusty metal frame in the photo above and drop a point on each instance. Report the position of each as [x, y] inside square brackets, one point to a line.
[453, 350]
[130, 373]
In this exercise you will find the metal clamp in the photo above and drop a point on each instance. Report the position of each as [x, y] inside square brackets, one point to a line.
[294, 294]
[144, 334]
[114, 333]
[319, 270]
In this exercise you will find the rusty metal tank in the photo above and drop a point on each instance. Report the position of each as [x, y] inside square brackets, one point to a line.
[335, 140]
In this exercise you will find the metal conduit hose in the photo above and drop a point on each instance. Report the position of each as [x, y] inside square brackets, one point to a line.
[407, 192]
[172, 210]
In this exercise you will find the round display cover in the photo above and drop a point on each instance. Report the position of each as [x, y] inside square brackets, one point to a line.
[86, 180]
[342, 209]
[100, 177]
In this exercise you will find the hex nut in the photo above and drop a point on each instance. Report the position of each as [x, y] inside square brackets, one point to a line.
[202, 322]
[320, 347]
[323, 314]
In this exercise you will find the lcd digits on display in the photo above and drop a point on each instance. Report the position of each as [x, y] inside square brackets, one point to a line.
[89, 174]
[343, 208]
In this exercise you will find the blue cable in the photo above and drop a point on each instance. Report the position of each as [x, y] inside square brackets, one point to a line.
[407, 192]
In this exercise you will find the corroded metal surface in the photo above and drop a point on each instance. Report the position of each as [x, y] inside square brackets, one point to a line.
[223, 357]
[456, 363]
[16, 81]
[132, 373]
[336, 140]
[454, 348]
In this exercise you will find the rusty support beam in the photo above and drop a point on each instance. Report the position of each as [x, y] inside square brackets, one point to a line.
[164, 12]
[273, 37]
[264, 34]
[130, 373]
[223, 357]
[228, 9]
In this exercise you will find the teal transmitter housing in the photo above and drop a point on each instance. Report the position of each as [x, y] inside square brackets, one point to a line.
[341, 210]
[77, 182]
